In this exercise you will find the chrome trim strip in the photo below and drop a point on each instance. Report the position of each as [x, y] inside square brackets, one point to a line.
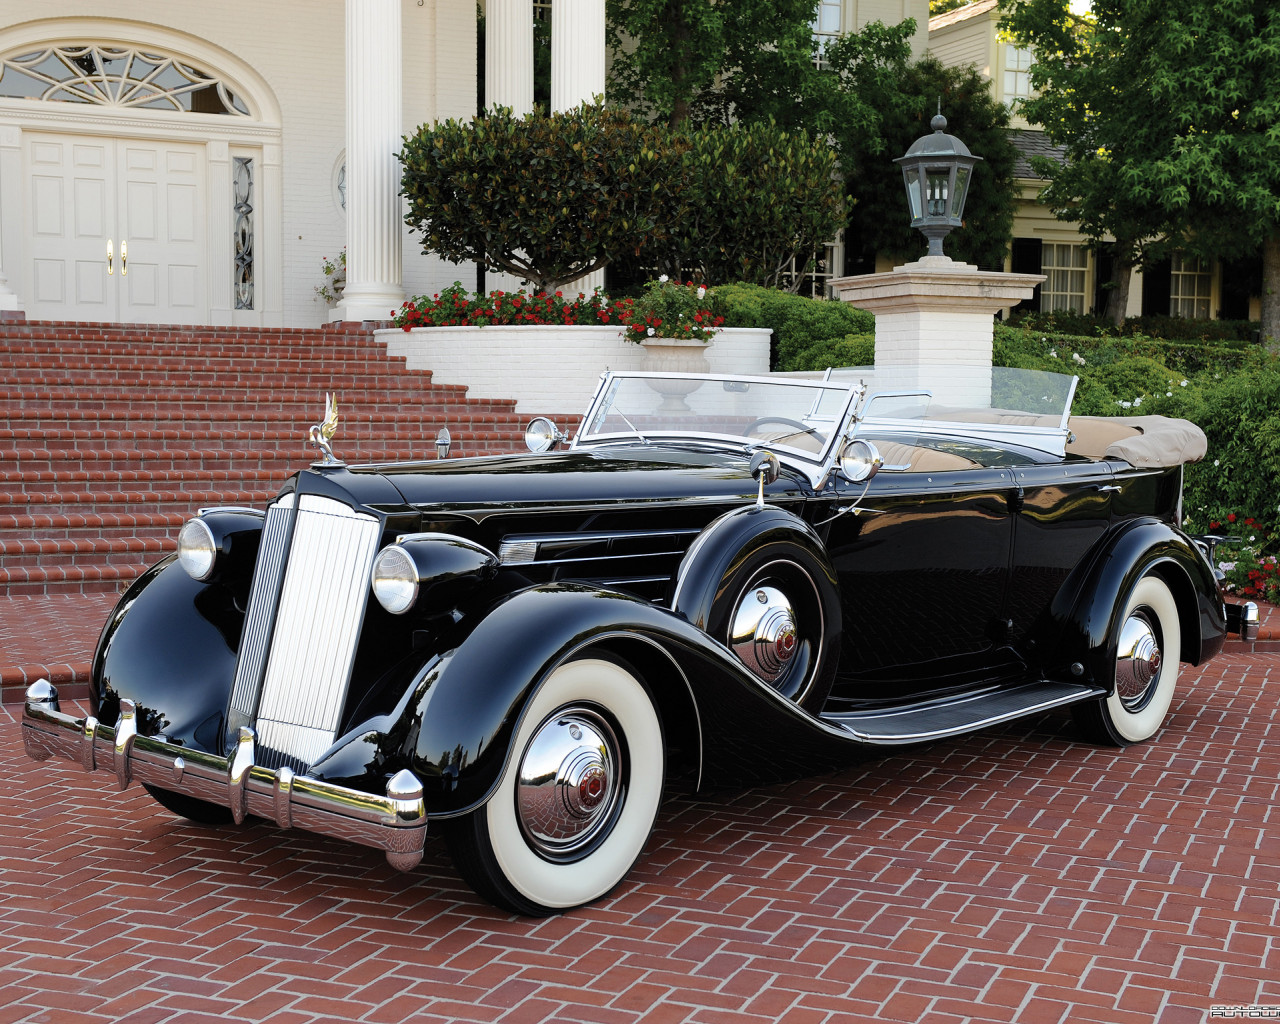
[395, 823]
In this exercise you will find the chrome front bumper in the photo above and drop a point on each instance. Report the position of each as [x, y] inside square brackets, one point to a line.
[395, 823]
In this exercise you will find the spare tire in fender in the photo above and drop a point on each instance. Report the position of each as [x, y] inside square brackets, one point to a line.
[759, 581]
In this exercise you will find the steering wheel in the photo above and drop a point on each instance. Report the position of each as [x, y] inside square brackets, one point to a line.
[799, 428]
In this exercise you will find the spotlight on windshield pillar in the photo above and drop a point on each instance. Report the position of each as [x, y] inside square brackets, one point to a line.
[937, 170]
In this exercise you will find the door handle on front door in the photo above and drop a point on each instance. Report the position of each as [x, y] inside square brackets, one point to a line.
[110, 259]
[124, 257]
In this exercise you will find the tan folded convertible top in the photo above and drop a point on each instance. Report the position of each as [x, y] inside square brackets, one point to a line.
[1145, 442]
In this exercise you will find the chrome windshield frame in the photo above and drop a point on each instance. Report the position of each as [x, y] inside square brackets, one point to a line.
[816, 467]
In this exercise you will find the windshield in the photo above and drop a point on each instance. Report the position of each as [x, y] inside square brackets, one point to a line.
[801, 417]
[1026, 407]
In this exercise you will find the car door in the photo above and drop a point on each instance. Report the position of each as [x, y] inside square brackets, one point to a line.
[1063, 510]
[923, 567]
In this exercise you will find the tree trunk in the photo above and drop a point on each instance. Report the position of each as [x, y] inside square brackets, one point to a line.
[1271, 291]
[1118, 293]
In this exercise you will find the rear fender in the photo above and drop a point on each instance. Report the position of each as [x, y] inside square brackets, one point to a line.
[1091, 603]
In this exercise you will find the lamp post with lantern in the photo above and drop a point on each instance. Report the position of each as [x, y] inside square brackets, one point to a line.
[937, 170]
[934, 316]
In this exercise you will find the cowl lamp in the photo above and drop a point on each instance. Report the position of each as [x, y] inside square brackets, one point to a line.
[937, 170]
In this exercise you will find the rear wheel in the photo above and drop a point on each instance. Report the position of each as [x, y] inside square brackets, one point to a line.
[1148, 651]
[577, 799]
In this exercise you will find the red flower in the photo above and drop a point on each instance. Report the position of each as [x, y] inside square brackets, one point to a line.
[1231, 517]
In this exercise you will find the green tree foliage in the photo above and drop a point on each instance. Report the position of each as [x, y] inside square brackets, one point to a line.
[907, 99]
[760, 201]
[548, 198]
[1172, 106]
[937, 7]
[672, 56]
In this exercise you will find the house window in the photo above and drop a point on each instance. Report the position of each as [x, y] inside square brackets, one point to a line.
[1064, 267]
[1017, 74]
[117, 76]
[242, 237]
[1189, 285]
[826, 28]
[815, 278]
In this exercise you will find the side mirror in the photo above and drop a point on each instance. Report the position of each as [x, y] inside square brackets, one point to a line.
[443, 440]
[764, 468]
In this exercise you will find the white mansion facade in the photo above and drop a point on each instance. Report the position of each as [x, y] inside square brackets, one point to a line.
[187, 162]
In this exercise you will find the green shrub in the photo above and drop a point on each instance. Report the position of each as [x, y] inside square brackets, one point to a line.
[546, 197]
[760, 202]
[798, 323]
[851, 350]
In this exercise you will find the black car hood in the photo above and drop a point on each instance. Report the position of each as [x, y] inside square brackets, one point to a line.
[634, 474]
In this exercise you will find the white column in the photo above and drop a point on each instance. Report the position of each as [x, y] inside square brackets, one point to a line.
[508, 55]
[577, 76]
[577, 52]
[508, 82]
[374, 271]
[10, 214]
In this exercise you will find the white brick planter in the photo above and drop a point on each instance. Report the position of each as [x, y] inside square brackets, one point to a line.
[551, 370]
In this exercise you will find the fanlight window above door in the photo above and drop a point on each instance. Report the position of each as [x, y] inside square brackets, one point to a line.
[115, 76]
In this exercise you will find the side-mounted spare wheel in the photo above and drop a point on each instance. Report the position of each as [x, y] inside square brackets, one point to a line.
[578, 796]
[1147, 655]
[759, 582]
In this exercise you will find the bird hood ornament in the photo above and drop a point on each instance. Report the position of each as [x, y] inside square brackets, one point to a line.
[322, 433]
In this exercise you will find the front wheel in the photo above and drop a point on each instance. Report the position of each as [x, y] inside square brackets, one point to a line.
[577, 798]
[1148, 650]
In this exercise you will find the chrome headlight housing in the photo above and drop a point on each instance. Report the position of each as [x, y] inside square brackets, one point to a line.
[220, 543]
[395, 579]
[197, 549]
[438, 564]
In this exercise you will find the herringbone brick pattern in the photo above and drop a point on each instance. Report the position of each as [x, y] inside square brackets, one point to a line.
[1014, 875]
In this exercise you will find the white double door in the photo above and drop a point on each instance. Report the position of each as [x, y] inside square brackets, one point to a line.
[116, 229]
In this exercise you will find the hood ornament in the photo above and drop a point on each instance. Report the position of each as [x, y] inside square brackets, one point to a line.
[322, 433]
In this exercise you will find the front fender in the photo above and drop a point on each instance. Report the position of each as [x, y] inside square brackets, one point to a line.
[1091, 603]
[169, 646]
[469, 702]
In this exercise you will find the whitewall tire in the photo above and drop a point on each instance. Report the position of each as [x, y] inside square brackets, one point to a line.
[578, 796]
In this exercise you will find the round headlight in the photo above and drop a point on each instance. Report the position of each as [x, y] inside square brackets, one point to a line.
[196, 549]
[860, 461]
[395, 580]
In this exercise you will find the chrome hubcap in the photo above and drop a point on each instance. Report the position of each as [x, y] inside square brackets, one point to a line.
[763, 632]
[568, 787]
[1137, 661]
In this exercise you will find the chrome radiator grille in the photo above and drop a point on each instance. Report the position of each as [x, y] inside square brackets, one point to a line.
[296, 654]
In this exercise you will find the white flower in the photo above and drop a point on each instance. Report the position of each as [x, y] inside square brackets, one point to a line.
[701, 291]
[1251, 539]
[1126, 405]
[663, 279]
[1183, 384]
[650, 332]
[1168, 394]
[1053, 351]
[1137, 402]
[1226, 566]
[1216, 462]
[1076, 357]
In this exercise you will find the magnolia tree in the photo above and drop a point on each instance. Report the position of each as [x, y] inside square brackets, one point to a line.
[548, 198]
[551, 198]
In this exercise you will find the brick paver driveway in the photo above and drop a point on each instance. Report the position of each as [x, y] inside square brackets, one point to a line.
[1016, 875]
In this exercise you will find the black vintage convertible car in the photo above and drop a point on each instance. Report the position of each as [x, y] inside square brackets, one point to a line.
[719, 579]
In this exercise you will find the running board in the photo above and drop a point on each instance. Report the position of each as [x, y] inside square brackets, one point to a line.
[889, 727]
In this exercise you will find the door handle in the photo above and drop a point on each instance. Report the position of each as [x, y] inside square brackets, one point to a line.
[1108, 488]
[124, 265]
[110, 259]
